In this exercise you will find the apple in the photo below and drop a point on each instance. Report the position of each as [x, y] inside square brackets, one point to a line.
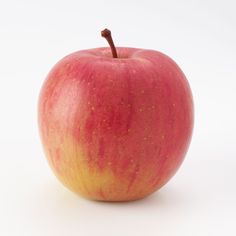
[115, 123]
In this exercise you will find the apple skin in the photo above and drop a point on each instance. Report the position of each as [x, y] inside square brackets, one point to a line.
[115, 129]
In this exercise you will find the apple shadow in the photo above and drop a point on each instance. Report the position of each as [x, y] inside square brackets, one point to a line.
[164, 198]
[56, 201]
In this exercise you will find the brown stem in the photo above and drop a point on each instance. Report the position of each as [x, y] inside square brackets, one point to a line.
[106, 33]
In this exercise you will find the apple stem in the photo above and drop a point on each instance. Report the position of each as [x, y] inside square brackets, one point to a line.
[106, 33]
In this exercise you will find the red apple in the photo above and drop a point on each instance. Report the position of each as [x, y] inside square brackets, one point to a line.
[115, 128]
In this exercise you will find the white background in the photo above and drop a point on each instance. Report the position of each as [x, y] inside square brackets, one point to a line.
[199, 35]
